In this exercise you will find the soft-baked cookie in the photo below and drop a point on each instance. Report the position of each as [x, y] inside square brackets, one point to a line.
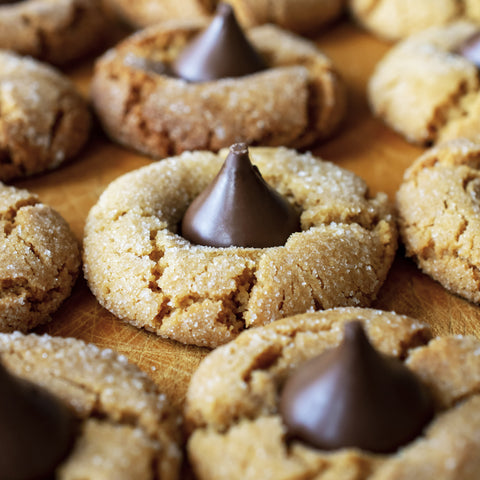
[44, 120]
[39, 260]
[425, 89]
[126, 428]
[297, 15]
[298, 100]
[57, 31]
[396, 19]
[234, 396]
[439, 215]
[144, 272]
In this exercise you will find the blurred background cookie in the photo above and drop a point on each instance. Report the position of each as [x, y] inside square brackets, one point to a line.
[78, 412]
[178, 86]
[56, 31]
[303, 16]
[141, 268]
[39, 260]
[439, 206]
[427, 86]
[45, 121]
[367, 369]
[396, 19]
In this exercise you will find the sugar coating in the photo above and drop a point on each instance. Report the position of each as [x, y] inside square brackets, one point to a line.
[44, 120]
[233, 397]
[426, 91]
[298, 100]
[439, 207]
[396, 19]
[57, 32]
[128, 429]
[297, 15]
[39, 260]
[140, 269]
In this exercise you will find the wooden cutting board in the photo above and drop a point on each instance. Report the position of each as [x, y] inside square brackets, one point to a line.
[363, 145]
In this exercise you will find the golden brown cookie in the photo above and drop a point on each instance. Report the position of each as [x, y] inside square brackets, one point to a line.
[234, 394]
[427, 91]
[396, 19]
[439, 215]
[44, 119]
[297, 15]
[297, 101]
[127, 428]
[39, 260]
[56, 31]
[144, 272]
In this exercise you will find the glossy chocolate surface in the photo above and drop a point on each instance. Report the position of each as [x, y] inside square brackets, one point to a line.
[36, 430]
[221, 51]
[239, 208]
[471, 49]
[354, 396]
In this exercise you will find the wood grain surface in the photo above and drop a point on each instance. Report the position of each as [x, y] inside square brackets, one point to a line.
[363, 145]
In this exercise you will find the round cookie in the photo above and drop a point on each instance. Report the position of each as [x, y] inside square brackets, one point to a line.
[44, 120]
[56, 31]
[234, 395]
[39, 260]
[126, 427]
[396, 19]
[297, 101]
[439, 209]
[298, 15]
[425, 90]
[145, 273]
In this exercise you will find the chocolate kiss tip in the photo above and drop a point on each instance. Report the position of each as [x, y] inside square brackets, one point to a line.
[239, 208]
[36, 430]
[220, 51]
[354, 396]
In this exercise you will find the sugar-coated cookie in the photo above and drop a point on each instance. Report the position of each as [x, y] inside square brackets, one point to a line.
[297, 100]
[143, 271]
[39, 260]
[396, 19]
[234, 397]
[45, 121]
[56, 31]
[296, 15]
[439, 215]
[126, 427]
[426, 89]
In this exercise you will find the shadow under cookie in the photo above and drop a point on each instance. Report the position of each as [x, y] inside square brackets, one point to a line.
[143, 271]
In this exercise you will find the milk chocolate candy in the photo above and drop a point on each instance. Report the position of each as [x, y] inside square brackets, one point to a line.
[221, 51]
[239, 208]
[354, 396]
[36, 430]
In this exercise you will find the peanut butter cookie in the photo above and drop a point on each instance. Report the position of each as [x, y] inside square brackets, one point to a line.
[235, 396]
[297, 15]
[427, 86]
[44, 120]
[299, 99]
[124, 428]
[56, 31]
[438, 206]
[39, 260]
[143, 271]
[396, 19]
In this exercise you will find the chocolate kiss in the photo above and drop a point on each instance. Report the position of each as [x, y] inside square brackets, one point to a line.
[36, 430]
[221, 51]
[239, 208]
[354, 396]
[470, 49]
